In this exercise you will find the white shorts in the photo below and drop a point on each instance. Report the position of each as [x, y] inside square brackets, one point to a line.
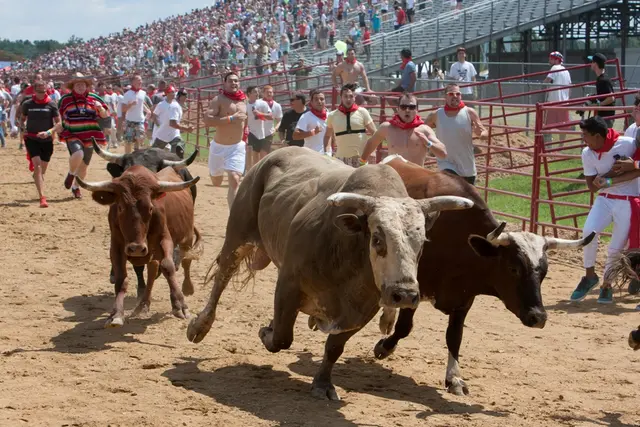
[230, 158]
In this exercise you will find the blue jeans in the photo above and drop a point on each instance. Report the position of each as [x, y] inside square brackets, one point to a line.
[2, 143]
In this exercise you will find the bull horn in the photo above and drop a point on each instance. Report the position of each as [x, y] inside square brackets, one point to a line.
[109, 157]
[497, 232]
[96, 186]
[178, 164]
[359, 201]
[554, 243]
[497, 237]
[444, 203]
[167, 186]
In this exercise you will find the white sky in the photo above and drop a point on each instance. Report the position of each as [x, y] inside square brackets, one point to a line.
[59, 19]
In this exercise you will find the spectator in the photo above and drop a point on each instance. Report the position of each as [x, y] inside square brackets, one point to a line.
[559, 76]
[463, 72]
[408, 69]
[603, 87]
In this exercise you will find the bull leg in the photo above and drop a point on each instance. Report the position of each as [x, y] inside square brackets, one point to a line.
[228, 264]
[322, 387]
[187, 285]
[387, 346]
[119, 265]
[168, 269]
[387, 320]
[279, 334]
[144, 299]
[139, 270]
[453, 381]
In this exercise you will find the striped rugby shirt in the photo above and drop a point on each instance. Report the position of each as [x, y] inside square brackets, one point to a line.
[80, 118]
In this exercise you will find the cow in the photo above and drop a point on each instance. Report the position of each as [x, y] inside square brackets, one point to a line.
[469, 254]
[153, 159]
[345, 241]
[149, 214]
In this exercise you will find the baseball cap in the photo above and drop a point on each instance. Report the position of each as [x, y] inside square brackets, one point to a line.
[598, 58]
[461, 49]
[170, 89]
[557, 55]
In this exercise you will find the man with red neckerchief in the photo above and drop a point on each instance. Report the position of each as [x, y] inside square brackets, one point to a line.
[349, 71]
[227, 151]
[312, 125]
[348, 124]
[406, 135]
[455, 125]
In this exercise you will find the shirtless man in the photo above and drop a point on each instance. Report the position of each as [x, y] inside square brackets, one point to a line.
[228, 114]
[349, 71]
[406, 134]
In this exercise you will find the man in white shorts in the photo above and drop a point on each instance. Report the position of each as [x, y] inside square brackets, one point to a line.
[228, 114]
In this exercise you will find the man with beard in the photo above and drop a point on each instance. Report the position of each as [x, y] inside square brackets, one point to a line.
[406, 134]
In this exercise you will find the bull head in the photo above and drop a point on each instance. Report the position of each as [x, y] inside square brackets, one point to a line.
[163, 186]
[117, 158]
[396, 232]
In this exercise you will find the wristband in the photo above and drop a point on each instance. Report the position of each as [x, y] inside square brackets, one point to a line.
[636, 164]
[49, 132]
[230, 119]
[609, 182]
[429, 143]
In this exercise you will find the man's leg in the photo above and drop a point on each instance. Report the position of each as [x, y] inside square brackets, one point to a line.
[621, 213]
[129, 137]
[82, 169]
[37, 175]
[75, 160]
[215, 163]
[234, 182]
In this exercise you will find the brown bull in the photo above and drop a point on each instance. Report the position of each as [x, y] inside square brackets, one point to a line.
[150, 214]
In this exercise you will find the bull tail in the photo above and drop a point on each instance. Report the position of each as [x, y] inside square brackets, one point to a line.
[624, 268]
[197, 249]
[239, 267]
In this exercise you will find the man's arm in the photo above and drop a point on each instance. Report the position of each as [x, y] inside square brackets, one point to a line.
[591, 184]
[603, 182]
[477, 125]
[412, 79]
[334, 76]
[432, 119]
[365, 79]
[211, 118]
[328, 136]
[373, 142]
[434, 145]
[174, 124]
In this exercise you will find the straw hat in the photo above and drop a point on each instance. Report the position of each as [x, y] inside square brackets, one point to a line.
[77, 78]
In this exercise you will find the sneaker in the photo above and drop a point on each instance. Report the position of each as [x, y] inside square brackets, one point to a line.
[634, 287]
[68, 181]
[76, 193]
[43, 202]
[606, 296]
[584, 287]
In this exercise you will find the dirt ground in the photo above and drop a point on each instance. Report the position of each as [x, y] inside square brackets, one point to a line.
[61, 368]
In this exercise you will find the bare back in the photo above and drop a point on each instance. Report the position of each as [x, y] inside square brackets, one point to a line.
[227, 133]
[407, 143]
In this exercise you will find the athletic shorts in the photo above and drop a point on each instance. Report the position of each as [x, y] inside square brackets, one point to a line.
[470, 179]
[39, 148]
[260, 144]
[134, 131]
[105, 123]
[229, 158]
[177, 145]
[76, 145]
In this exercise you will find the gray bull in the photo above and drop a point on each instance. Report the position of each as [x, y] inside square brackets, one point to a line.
[346, 241]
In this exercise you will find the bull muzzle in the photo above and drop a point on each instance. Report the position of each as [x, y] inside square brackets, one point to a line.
[534, 318]
[405, 295]
[136, 250]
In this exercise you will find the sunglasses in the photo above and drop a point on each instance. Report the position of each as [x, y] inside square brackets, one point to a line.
[408, 107]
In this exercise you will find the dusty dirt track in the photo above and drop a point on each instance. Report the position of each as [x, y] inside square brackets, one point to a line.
[60, 367]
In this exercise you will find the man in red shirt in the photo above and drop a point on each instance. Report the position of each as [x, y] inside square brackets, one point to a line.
[366, 42]
[195, 68]
[401, 17]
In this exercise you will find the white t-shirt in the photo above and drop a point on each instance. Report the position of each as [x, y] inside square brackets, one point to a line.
[631, 131]
[136, 112]
[463, 72]
[595, 164]
[119, 101]
[165, 113]
[257, 126]
[560, 78]
[276, 111]
[309, 121]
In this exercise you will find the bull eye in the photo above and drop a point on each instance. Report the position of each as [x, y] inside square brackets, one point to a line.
[515, 271]
[375, 241]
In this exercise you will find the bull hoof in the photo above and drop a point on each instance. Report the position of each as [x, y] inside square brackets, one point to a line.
[187, 288]
[312, 323]
[634, 341]
[324, 391]
[266, 336]
[181, 313]
[198, 329]
[380, 352]
[141, 291]
[387, 320]
[114, 322]
[141, 308]
[457, 386]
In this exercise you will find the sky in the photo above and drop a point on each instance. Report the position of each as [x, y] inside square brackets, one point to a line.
[59, 19]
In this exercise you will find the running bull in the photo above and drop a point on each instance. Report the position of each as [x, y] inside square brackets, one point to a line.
[469, 254]
[346, 241]
[150, 214]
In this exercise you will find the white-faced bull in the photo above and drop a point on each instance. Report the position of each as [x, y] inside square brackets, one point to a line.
[346, 241]
[469, 254]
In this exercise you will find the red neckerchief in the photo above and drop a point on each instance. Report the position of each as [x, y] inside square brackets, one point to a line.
[153, 92]
[397, 122]
[237, 96]
[349, 61]
[609, 141]
[269, 103]
[109, 92]
[322, 115]
[454, 109]
[346, 111]
[405, 61]
[42, 101]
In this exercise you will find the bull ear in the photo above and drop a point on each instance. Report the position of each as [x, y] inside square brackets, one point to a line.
[350, 223]
[115, 169]
[104, 197]
[430, 219]
[481, 246]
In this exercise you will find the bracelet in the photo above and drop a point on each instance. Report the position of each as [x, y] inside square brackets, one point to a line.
[636, 164]
[230, 118]
[429, 143]
[49, 132]
[609, 182]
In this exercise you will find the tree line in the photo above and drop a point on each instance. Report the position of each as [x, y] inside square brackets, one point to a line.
[19, 50]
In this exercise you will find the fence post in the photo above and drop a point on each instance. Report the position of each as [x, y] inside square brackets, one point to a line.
[491, 28]
[438, 34]
[383, 51]
[198, 114]
[464, 27]
[518, 19]
[535, 178]
[411, 37]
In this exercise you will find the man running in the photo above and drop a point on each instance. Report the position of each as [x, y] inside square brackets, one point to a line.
[349, 71]
[348, 125]
[228, 114]
[406, 134]
[291, 117]
[313, 124]
[167, 116]
[41, 114]
[276, 112]
[133, 108]
[455, 125]
[259, 114]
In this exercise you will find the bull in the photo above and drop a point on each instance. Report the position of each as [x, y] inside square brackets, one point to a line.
[153, 159]
[149, 214]
[346, 241]
[469, 254]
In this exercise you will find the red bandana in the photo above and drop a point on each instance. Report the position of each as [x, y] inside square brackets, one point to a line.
[609, 141]
[454, 109]
[344, 110]
[322, 115]
[269, 103]
[237, 96]
[397, 122]
[405, 61]
[109, 92]
[350, 61]
[42, 101]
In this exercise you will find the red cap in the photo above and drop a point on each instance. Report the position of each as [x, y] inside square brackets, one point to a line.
[170, 89]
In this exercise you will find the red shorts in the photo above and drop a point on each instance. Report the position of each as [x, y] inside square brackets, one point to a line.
[557, 116]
